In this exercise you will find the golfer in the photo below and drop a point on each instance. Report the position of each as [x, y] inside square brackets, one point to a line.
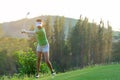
[42, 46]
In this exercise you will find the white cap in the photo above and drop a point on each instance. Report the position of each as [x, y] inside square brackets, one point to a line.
[38, 24]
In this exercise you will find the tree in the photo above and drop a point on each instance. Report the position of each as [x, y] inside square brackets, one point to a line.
[109, 42]
[1, 31]
[58, 47]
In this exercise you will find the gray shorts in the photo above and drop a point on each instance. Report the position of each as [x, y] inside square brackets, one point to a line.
[43, 49]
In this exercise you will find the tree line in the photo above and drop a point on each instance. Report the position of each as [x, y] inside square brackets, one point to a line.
[86, 43]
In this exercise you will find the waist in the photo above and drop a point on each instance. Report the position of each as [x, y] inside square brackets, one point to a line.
[43, 45]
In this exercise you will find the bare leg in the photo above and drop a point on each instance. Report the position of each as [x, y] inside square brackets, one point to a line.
[39, 57]
[46, 55]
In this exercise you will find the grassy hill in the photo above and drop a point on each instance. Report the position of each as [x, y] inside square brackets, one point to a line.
[103, 72]
[13, 28]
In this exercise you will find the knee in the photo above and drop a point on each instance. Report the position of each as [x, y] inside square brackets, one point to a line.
[38, 59]
[47, 61]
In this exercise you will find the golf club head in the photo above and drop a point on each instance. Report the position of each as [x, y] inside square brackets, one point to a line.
[28, 13]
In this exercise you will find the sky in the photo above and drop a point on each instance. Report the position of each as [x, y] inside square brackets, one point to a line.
[107, 10]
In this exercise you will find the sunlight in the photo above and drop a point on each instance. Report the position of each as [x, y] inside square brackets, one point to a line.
[94, 9]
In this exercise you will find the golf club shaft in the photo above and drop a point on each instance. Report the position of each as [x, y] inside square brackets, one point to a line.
[25, 19]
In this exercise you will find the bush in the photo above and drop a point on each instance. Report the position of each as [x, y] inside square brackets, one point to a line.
[27, 62]
[44, 68]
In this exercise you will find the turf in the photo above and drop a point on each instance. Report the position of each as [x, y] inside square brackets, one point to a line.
[99, 72]
[106, 72]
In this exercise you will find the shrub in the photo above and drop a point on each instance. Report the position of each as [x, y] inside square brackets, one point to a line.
[27, 62]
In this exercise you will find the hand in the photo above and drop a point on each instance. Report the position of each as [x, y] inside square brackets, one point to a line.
[23, 31]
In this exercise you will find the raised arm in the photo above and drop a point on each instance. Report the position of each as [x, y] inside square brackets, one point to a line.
[28, 32]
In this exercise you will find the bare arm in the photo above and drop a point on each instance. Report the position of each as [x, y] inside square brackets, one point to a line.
[28, 32]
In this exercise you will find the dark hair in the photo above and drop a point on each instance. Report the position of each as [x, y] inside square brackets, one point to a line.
[38, 20]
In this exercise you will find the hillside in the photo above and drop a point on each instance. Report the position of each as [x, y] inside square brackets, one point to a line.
[98, 72]
[13, 28]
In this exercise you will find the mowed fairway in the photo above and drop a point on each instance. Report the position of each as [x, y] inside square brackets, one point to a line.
[99, 72]
[106, 72]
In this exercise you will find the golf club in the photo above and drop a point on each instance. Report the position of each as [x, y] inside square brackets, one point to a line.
[25, 19]
[24, 22]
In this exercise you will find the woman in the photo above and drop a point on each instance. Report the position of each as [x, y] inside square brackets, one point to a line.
[42, 47]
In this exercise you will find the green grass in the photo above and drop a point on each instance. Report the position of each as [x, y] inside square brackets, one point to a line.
[105, 72]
